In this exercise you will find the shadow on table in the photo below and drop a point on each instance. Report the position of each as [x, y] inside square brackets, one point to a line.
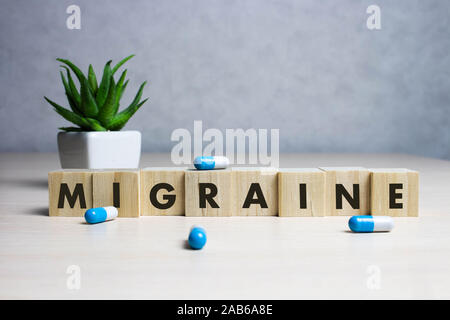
[27, 183]
[43, 211]
[185, 245]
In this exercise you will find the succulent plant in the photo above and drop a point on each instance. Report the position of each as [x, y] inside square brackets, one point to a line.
[95, 106]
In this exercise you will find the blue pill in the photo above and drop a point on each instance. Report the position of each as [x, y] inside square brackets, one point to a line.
[210, 163]
[197, 238]
[101, 214]
[371, 223]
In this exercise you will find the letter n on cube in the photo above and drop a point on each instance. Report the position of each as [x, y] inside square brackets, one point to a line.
[347, 191]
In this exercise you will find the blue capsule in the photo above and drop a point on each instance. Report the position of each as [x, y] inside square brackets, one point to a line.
[101, 214]
[371, 223]
[209, 163]
[197, 238]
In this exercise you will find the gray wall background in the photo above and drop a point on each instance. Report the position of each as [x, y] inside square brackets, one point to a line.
[310, 68]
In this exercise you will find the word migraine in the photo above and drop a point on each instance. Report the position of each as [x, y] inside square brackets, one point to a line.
[237, 191]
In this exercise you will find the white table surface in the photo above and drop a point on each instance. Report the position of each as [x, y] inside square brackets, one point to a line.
[245, 257]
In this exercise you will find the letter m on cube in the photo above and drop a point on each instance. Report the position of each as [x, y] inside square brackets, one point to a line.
[70, 192]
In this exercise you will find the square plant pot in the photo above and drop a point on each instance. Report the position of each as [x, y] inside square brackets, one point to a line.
[99, 150]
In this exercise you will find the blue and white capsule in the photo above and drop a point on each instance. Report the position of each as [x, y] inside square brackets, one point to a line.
[101, 214]
[210, 163]
[371, 223]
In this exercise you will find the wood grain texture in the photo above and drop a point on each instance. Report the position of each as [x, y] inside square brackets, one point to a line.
[222, 179]
[74, 188]
[129, 193]
[174, 177]
[255, 191]
[289, 202]
[349, 178]
[407, 188]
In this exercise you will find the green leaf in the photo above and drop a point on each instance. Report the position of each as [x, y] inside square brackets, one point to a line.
[120, 63]
[137, 97]
[119, 121]
[109, 109]
[88, 104]
[65, 84]
[92, 79]
[73, 90]
[69, 95]
[120, 87]
[119, 95]
[69, 115]
[95, 125]
[74, 68]
[103, 89]
[121, 118]
[71, 129]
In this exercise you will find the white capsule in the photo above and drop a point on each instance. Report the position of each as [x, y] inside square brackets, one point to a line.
[209, 163]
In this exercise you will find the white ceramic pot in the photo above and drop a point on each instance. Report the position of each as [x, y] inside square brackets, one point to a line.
[99, 150]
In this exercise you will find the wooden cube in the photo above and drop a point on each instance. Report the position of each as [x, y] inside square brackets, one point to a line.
[162, 191]
[118, 188]
[208, 193]
[70, 192]
[301, 192]
[255, 191]
[395, 192]
[347, 191]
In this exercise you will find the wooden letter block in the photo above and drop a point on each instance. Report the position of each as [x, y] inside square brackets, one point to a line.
[255, 191]
[70, 192]
[208, 193]
[162, 191]
[119, 188]
[301, 192]
[395, 192]
[347, 191]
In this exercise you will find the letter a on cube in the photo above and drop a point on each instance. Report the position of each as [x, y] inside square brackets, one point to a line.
[255, 191]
